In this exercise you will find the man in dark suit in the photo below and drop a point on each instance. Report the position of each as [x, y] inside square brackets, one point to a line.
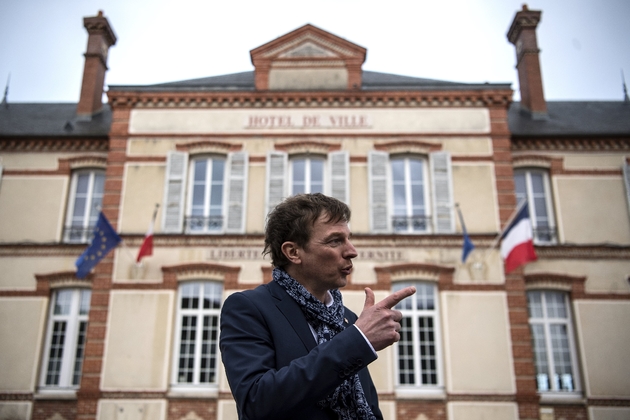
[291, 350]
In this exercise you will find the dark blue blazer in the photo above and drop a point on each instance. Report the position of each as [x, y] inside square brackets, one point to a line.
[274, 366]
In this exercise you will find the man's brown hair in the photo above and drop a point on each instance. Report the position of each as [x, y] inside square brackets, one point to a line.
[293, 220]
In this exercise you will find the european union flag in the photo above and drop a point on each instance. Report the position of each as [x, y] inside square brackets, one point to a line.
[467, 248]
[468, 245]
[105, 239]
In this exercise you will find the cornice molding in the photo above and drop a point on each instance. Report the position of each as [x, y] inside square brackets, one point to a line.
[228, 275]
[414, 271]
[583, 252]
[342, 99]
[87, 162]
[539, 161]
[572, 144]
[46, 282]
[554, 281]
[56, 144]
[408, 146]
[307, 146]
[208, 146]
[196, 271]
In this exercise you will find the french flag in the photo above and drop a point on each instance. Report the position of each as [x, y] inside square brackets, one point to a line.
[146, 248]
[517, 246]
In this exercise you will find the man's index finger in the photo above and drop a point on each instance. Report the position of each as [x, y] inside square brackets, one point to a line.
[391, 300]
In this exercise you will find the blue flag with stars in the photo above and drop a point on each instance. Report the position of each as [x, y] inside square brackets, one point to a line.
[105, 239]
[468, 245]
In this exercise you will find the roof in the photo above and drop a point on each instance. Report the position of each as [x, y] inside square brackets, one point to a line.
[52, 119]
[565, 118]
[370, 81]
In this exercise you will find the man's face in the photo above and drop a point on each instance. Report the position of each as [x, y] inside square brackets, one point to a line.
[326, 259]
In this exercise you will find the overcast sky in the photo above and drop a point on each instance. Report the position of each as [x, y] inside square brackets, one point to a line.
[585, 44]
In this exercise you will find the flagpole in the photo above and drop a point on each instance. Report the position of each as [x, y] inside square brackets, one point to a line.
[126, 248]
[510, 220]
[157, 206]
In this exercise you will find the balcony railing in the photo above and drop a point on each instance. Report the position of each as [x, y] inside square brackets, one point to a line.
[419, 223]
[545, 235]
[201, 224]
[77, 234]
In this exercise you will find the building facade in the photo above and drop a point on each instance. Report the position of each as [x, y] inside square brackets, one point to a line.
[139, 340]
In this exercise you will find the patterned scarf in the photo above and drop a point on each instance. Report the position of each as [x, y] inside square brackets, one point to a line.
[348, 399]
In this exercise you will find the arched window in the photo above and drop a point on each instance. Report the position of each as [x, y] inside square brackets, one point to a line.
[206, 199]
[533, 185]
[552, 340]
[206, 193]
[84, 203]
[307, 174]
[418, 353]
[65, 339]
[198, 309]
[410, 193]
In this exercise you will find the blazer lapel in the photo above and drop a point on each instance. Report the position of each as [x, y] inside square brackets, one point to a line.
[292, 312]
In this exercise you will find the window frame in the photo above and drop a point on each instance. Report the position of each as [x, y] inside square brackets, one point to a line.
[418, 388]
[546, 323]
[207, 193]
[428, 201]
[199, 313]
[74, 320]
[89, 219]
[308, 183]
[548, 199]
[279, 175]
[440, 218]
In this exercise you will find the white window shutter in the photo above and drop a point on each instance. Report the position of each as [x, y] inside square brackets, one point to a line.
[340, 175]
[236, 195]
[626, 181]
[442, 180]
[174, 192]
[276, 178]
[378, 181]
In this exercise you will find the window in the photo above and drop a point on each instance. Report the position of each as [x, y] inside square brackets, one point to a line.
[552, 340]
[307, 175]
[533, 185]
[311, 173]
[205, 206]
[205, 194]
[196, 360]
[65, 342]
[86, 196]
[417, 352]
[410, 193]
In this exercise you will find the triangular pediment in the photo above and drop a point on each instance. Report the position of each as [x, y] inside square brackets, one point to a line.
[309, 47]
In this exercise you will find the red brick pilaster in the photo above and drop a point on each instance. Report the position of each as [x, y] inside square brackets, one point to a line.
[90, 392]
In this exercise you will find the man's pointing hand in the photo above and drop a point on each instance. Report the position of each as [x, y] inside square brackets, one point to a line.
[378, 321]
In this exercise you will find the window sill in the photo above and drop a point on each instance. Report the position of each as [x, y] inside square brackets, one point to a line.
[55, 394]
[178, 391]
[561, 398]
[417, 393]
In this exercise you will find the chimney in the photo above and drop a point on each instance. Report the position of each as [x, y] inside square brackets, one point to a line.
[522, 34]
[100, 38]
